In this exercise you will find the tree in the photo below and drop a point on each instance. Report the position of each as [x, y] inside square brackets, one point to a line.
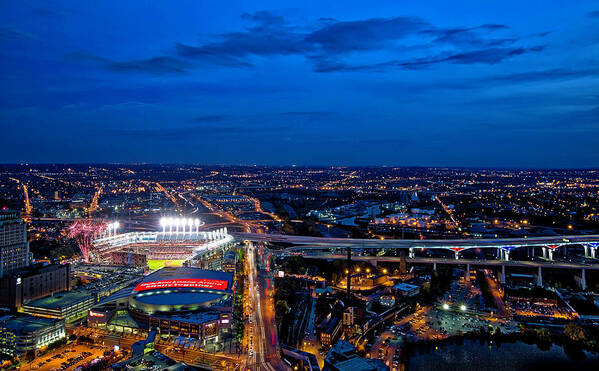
[281, 308]
[30, 355]
[574, 332]
[543, 335]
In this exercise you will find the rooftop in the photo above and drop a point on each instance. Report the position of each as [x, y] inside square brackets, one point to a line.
[26, 324]
[58, 301]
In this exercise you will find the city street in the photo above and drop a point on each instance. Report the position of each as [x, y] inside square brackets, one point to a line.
[263, 352]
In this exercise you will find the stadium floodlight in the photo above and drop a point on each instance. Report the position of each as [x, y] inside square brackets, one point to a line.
[445, 306]
[190, 224]
[463, 308]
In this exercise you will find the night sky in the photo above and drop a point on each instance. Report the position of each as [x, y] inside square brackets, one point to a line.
[433, 83]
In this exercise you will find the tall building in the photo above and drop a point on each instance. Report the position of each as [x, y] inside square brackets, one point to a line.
[33, 282]
[14, 248]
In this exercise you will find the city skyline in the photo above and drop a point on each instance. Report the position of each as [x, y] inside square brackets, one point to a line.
[466, 85]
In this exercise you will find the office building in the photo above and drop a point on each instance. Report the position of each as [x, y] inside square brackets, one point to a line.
[14, 248]
[20, 334]
[33, 282]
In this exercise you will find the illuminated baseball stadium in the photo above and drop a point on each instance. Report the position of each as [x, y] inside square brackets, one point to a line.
[179, 241]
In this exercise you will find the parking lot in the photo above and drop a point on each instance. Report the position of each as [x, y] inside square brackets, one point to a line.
[67, 358]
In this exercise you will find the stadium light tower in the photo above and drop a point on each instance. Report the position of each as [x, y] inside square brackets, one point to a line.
[190, 224]
[170, 223]
[176, 222]
[163, 224]
[196, 222]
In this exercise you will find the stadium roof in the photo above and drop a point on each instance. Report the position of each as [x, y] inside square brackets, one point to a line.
[181, 277]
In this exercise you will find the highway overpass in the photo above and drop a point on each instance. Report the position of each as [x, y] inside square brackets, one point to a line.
[504, 245]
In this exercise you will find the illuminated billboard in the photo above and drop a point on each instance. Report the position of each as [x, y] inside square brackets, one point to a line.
[195, 283]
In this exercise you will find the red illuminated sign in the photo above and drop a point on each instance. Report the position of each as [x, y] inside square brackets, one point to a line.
[196, 283]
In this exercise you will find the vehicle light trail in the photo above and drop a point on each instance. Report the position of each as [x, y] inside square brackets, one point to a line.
[93, 206]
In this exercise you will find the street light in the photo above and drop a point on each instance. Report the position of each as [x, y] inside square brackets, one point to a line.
[445, 306]
[463, 308]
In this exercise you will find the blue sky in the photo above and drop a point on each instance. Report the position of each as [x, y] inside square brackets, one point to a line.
[436, 83]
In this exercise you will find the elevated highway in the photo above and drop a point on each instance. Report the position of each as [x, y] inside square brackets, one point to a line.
[505, 245]
[473, 262]
[319, 242]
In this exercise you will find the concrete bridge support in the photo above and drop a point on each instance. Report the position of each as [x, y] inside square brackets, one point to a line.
[373, 262]
[504, 254]
[434, 266]
[583, 281]
[411, 253]
[503, 274]
[547, 253]
[539, 278]
[457, 255]
[590, 251]
[467, 272]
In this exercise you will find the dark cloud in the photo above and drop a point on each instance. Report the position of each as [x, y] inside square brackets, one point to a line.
[8, 33]
[470, 37]
[305, 113]
[209, 118]
[551, 74]
[480, 56]
[193, 132]
[370, 34]
[160, 65]
[155, 65]
[331, 43]
[44, 12]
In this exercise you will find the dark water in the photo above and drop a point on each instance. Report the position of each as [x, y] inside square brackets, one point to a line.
[474, 356]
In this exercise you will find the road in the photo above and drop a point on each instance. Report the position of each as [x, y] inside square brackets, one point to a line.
[263, 352]
[329, 242]
[474, 262]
